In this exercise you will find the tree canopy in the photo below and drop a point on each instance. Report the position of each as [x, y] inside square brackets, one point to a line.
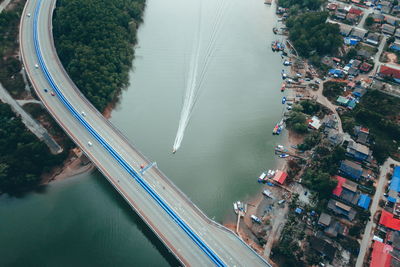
[94, 40]
[311, 35]
[23, 158]
[302, 4]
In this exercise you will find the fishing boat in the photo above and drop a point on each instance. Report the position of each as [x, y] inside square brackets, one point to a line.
[278, 128]
[271, 174]
[239, 206]
[283, 100]
[275, 30]
[283, 87]
[283, 155]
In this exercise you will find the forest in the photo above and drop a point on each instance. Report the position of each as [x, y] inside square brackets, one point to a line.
[311, 35]
[302, 4]
[94, 40]
[23, 157]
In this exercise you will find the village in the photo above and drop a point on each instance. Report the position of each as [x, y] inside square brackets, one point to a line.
[334, 202]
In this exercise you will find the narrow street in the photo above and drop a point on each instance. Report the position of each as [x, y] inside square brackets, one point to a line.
[367, 237]
[35, 127]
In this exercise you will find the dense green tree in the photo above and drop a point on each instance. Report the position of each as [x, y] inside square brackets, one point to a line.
[369, 21]
[94, 40]
[23, 158]
[303, 4]
[297, 122]
[320, 182]
[310, 34]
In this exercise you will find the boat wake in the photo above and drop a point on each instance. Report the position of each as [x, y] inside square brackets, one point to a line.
[198, 68]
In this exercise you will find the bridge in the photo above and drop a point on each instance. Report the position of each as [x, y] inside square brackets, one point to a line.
[188, 233]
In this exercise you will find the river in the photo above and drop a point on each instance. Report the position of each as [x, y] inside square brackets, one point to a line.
[82, 221]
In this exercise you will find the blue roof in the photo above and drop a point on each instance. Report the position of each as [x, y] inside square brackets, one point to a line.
[352, 103]
[364, 201]
[396, 172]
[392, 199]
[395, 47]
[298, 210]
[395, 184]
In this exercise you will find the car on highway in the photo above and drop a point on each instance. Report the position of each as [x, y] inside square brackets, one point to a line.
[83, 114]
[52, 93]
[45, 90]
[90, 143]
[28, 15]
[36, 66]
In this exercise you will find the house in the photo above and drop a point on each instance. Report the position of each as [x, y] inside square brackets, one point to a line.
[342, 209]
[324, 219]
[361, 133]
[336, 228]
[392, 21]
[353, 18]
[365, 53]
[381, 255]
[386, 9]
[397, 33]
[388, 29]
[395, 46]
[357, 151]
[358, 33]
[323, 247]
[337, 73]
[345, 29]
[346, 190]
[365, 67]
[352, 104]
[388, 72]
[359, 92]
[334, 137]
[394, 187]
[353, 71]
[343, 101]
[356, 11]
[378, 18]
[372, 38]
[340, 15]
[314, 123]
[364, 201]
[387, 220]
[351, 169]
[355, 63]
[330, 122]
[280, 177]
[332, 6]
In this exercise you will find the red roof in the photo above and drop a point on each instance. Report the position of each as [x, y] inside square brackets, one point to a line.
[280, 177]
[387, 71]
[338, 190]
[355, 11]
[381, 255]
[388, 221]
[364, 130]
[365, 67]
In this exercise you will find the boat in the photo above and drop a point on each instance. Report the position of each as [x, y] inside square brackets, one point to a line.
[283, 100]
[239, 206]
[275, 30]
[262, 177]
[271, 174]
[283, 87]
[278, 128]
[268, 193]
[284, 76]
[287, 63]
[255, 219]
[284, 155]
[173, 151]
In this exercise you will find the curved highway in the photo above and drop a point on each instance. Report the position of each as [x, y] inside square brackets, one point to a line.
[192, 237]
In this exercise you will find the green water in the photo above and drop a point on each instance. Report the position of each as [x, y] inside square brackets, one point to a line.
[82, 221]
